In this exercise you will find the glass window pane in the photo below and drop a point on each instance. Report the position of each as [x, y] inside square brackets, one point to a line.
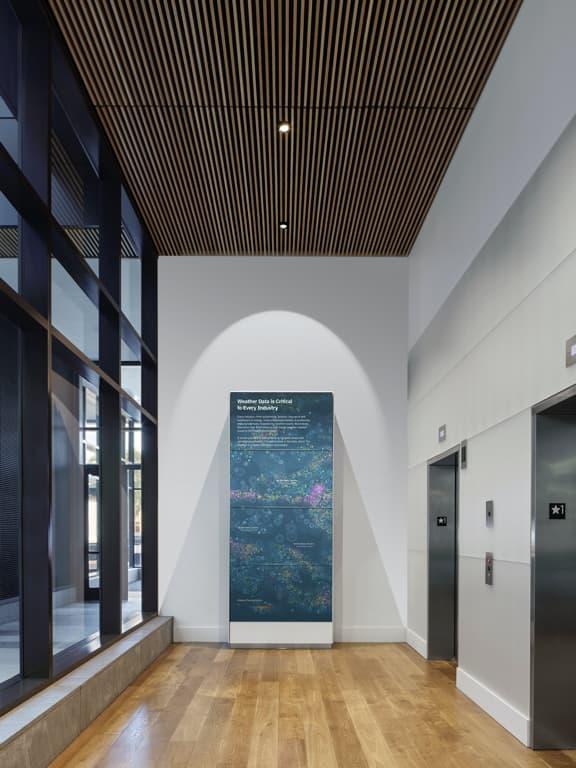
[131, 265]
[131, 518]
[9, 64]
[73, 312]
[131, 372]
[75, 186]
[9, 242]
[9, 501]
[75, 528]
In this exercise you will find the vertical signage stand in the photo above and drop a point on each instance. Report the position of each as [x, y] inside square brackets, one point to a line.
[281, 517]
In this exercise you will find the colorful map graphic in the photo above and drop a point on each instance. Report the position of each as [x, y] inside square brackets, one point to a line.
[281, 471]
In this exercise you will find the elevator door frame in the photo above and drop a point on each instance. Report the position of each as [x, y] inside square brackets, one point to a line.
[539, 410]
[453, 451]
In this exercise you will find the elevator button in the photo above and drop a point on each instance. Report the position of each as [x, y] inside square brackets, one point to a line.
[489, 569]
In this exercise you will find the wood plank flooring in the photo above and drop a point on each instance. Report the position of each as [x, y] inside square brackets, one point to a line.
[355, 706]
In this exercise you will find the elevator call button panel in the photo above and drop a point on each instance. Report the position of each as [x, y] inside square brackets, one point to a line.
[557, 510]
[489, 569]
[489, 513]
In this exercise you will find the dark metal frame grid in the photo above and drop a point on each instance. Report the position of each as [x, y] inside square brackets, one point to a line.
[27, 187]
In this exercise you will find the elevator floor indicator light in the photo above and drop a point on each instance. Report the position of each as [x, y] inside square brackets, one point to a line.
[557, 511]
[442, 521]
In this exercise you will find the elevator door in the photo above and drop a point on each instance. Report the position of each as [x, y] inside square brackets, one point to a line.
[554, 579]
[442, 558]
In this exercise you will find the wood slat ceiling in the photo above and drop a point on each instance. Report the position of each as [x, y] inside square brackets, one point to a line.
[377, 95]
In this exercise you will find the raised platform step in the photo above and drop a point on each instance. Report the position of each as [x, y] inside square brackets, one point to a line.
[35, 732]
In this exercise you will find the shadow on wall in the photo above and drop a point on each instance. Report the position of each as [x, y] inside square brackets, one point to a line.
[364, 607]
[191, 592]
[278, 351]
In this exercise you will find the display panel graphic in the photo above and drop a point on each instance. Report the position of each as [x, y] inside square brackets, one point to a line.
[281, 466]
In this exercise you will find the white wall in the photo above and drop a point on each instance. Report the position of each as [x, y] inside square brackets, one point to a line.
[495, 349]
[525, 106]
[333, 324]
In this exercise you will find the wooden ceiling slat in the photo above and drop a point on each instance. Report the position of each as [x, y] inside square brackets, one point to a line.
[441, 88]
[378, 93]
[480, 69]
[385, 185]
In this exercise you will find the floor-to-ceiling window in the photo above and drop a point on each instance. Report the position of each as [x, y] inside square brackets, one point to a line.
[78, 507]
[131, 516]
[9, 86]
[75, 508]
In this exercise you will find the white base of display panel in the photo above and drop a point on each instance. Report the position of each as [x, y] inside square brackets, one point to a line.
[279, 634]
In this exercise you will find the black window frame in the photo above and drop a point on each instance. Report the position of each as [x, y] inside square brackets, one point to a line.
[27, 187]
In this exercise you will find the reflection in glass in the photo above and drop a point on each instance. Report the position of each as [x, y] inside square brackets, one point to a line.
[8, 129]
[131, 518]
[90, 445]
[9, 501]
[131, 264]
[76, 508]
[73, 312]
[9, 64]
[9, 242]
[93, 496]
[75, 187]
[131, 373]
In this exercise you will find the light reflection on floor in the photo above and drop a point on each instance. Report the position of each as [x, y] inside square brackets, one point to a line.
[72, 623]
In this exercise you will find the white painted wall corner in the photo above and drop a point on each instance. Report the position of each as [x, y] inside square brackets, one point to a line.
[417, 642]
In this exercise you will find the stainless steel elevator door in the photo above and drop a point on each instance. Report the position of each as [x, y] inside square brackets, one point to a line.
[554, 582]
[442, 558]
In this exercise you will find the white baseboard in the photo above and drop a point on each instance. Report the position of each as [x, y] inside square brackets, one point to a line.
[358, 634]
[503, 712]
[417, 642]
[200, 634]
[369, 634]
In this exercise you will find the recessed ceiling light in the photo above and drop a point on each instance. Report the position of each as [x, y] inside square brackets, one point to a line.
[284, 127]
[283, 225]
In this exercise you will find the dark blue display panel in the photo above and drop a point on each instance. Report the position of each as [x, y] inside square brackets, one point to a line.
[281, 465]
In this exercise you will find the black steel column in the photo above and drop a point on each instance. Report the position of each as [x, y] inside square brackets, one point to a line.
[36, 419]
[34, 125]
[110, 415]
[36, 647]
[110, 511]
[150, 296]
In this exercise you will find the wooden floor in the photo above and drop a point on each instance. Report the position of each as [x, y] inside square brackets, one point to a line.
[352, 706]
